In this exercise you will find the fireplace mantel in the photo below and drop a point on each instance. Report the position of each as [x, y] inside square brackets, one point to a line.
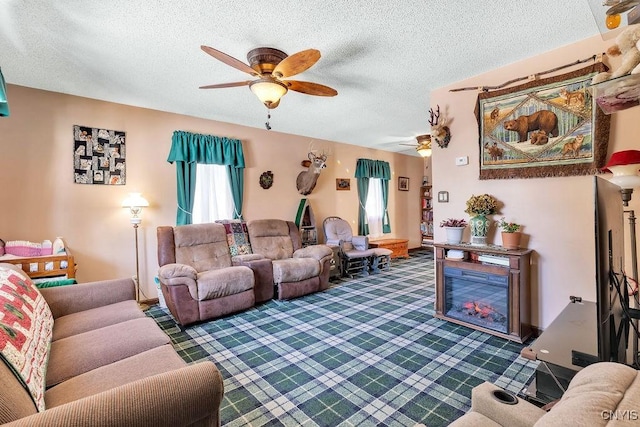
[514, 271]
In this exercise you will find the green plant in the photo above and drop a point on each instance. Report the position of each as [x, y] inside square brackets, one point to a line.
[508, 227]
[452, 222]
[483, 204]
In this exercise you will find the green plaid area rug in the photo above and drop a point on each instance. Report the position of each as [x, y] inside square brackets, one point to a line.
[366, 352]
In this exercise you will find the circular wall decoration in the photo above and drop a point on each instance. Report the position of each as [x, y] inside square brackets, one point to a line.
[266, 180]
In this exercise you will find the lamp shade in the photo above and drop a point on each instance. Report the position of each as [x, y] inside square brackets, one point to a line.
[4, 104]
[625, 176]
[268, 91]
[424, 145]
[623, 158]
[424, 151]
[624, 165]
[135, 200]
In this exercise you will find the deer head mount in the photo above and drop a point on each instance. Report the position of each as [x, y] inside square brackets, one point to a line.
[439, 131]
[306, 181]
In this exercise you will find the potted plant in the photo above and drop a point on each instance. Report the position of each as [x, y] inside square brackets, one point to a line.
[479, 207]
[454, 228]
[510, 234]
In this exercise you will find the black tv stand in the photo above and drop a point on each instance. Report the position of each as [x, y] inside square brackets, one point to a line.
[579, 358]
[566, 346]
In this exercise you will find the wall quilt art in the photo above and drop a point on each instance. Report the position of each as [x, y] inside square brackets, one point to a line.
[543, 128]
[99, 156]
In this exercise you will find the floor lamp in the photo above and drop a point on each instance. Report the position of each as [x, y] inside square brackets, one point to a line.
[135, 202]
[625, 165]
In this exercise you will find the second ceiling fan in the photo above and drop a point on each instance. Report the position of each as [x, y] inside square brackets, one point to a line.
[271, 66]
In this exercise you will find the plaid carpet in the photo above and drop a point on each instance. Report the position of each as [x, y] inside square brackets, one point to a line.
[366, 352]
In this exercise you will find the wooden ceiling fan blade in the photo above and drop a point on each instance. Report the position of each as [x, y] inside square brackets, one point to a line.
[296, 63]
[310, 88]
[229, 60]
[221, 85]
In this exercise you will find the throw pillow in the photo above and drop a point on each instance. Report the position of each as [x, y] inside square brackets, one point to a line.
[26, 325]
[237, 236]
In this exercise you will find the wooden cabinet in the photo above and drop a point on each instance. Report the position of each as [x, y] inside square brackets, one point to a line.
[426, 212]
[508, 267]
[399, 247]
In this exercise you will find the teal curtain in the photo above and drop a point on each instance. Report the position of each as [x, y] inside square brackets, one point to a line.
[386, 225]
[186, 184]
[4, 104]
[236, 178]
[365, 169]
[363, 191]
[187, 150]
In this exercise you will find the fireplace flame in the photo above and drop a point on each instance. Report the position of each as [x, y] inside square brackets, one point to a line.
[484, 311]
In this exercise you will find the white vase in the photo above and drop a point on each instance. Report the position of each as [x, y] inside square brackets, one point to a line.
[454, 235]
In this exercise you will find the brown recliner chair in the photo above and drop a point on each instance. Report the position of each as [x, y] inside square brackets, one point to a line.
[297, 271]
[197, 278]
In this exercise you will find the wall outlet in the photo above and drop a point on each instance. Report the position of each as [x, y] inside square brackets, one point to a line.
[461, 161]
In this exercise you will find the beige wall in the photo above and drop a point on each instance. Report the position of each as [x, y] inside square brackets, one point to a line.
[557, 213]
[40, 200]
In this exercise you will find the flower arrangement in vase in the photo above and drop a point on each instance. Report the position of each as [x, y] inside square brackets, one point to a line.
[454, 228]
[479, 207]
[510, 234]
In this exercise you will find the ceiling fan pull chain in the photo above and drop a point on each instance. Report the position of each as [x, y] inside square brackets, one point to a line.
[267, 125]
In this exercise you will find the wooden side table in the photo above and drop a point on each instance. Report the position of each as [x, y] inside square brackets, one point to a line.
[399, 247]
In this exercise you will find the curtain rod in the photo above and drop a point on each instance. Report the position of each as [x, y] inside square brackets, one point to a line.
[595, 58]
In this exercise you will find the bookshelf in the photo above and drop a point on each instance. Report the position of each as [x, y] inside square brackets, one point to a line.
[426, 212]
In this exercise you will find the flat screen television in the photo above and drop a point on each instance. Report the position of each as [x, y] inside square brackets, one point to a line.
[612, 298]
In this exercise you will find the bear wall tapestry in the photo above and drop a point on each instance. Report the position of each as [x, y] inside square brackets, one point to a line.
[99, 156]
[547, 127]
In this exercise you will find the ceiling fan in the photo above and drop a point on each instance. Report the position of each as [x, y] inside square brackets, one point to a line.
[423, 146]
[270, 66]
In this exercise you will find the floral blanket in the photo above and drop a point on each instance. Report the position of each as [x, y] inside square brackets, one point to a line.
[26, 325]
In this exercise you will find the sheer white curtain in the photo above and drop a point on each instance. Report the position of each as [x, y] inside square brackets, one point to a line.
[374, 207]
[212, 198]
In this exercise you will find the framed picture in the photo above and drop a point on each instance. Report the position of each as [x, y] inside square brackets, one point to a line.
[343, 184]
[403, 183]
[546, 127]
[98, 156]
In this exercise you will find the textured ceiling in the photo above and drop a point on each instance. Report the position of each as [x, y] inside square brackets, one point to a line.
[383, 58]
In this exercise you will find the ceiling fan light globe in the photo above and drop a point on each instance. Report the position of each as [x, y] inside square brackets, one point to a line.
[268, 91]
[424, 151]
[424, 145]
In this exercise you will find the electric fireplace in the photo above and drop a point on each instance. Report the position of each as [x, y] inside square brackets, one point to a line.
[478, 298]
[489, 297]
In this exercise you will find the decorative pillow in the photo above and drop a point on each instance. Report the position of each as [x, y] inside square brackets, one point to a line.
[26, 325]
[237, 236]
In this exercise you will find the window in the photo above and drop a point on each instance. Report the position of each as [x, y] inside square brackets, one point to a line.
[212, 199]
[374, 207]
